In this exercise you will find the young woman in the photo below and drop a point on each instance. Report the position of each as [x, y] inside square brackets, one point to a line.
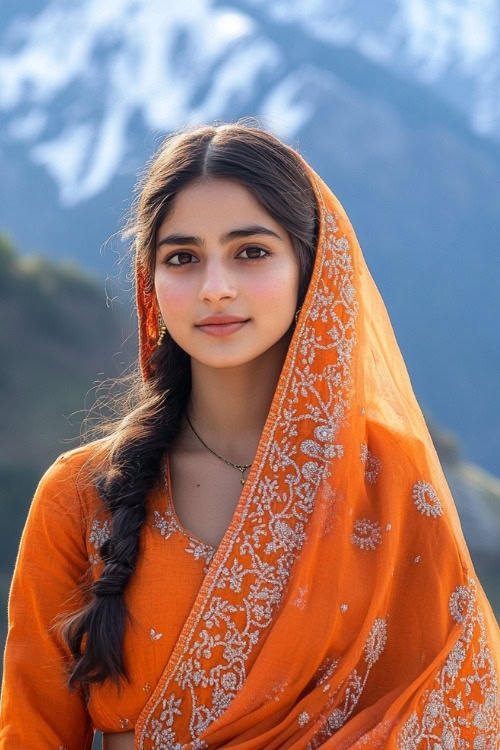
[264, 552]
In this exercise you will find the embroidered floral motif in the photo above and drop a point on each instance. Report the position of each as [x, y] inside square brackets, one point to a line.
[431, 507]
[99, 534]
[473, 695]
[343, 607]
[273, 523]
[164, 523]
[303, 718]
[154, 635]
[300, 601]
[200, 551]
[367, 534]
[372, 464]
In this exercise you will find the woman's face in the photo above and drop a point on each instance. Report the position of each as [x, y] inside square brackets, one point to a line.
[220, 253]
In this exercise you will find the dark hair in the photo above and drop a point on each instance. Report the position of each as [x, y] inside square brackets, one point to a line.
[152, 410]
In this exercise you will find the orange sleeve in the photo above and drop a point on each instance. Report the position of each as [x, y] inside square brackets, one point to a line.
[38, 711]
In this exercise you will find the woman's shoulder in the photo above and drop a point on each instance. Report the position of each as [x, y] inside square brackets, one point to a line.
[72, 475]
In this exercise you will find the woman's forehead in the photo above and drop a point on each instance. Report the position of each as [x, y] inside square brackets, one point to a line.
[214, 204]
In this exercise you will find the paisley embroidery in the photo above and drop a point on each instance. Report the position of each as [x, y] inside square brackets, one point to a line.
[467, 698]
[372, 464]
[271, 527]
[431, 507]
[367, 534]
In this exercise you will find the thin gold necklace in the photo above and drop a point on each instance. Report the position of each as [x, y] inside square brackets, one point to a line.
[240, 468]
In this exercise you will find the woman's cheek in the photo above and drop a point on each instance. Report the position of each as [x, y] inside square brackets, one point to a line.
[173, 296]
[279, 287]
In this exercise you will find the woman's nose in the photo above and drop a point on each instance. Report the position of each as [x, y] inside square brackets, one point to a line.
[216, 282]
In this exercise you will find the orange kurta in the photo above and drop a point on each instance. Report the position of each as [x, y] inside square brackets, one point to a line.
[58, 549]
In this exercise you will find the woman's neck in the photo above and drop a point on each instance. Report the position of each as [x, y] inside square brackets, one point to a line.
[228, 407]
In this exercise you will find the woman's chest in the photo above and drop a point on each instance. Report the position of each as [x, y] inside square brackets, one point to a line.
[202, 494]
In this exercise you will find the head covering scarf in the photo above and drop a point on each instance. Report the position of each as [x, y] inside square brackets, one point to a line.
[341, 608]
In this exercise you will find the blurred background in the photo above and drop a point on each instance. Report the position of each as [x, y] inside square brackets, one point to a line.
[395, 103]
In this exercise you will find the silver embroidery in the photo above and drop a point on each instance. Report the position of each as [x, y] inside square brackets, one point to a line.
[431, 507]
[326, 670]
[164, 523]
[99, 534]
[94, 559]
[154, 635]
[367, 534]
[417, 559]
[474, 696]
[460, 603]
[201, 551]
[388, 527]
[343, 607]
[303, 718]
[276, 689]
[300, 601]
[353, 687]
[376, 641]
[373, 464]
[124, 723]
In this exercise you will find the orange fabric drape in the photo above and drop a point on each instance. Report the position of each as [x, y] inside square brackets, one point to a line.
[342, 608]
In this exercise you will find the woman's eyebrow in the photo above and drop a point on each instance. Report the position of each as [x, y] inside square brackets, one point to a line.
[185, 239]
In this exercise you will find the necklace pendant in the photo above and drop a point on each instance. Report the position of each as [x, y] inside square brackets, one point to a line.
[242, 479]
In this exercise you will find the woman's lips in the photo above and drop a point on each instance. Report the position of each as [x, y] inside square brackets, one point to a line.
[222, 329]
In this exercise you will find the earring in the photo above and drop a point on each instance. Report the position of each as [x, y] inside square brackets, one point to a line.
[162, 330]
[297, 315]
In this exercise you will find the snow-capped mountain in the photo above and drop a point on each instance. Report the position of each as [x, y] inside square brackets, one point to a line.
[394, 102]
[75, 76]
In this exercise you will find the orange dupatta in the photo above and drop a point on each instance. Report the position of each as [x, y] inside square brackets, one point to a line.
[341, 608]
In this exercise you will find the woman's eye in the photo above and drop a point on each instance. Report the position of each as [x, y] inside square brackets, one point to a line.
[253, 250]
[184, 255]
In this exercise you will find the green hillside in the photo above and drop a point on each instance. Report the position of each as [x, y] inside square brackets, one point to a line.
[57, 338]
